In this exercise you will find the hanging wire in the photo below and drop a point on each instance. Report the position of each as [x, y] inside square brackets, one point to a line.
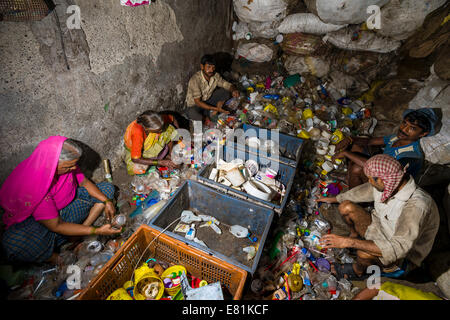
[148, 246]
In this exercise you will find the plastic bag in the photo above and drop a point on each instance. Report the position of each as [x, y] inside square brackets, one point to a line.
[307, 65]
[435, 94]
[255, 52]
[400, 19]
[306, 23]
[301, 43]
[241, 30]
[365, 40]
[342, 11]
[266, 30]
[260, 10]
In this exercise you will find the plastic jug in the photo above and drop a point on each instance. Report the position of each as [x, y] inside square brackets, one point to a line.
[154, 209]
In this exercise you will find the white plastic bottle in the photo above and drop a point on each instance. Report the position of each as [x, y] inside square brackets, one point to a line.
[190, 235]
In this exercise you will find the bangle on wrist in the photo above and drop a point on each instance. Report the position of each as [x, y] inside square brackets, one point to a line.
[93, 230]
[107, 200]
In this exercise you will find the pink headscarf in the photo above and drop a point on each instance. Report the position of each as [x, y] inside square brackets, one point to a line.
[389, 170]
[30, 181]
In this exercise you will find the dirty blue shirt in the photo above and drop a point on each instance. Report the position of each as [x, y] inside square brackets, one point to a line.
[410, 153]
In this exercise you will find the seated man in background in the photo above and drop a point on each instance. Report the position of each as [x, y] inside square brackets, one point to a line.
[399, 232]
[207, 92]
[403, 146]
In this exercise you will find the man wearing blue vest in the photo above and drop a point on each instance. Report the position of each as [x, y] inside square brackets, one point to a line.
[404, 146]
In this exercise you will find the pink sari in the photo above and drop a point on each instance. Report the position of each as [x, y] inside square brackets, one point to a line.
[30, 181]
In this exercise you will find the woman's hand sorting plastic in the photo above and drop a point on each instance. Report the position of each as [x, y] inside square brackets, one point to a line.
[110, 211]
[107, 230]
[168, 163]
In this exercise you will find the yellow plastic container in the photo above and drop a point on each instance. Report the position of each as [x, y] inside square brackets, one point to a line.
[119, 294]
[144, 276]
[307, 113]
[295, 282]
[168, 274]
[347, 111]
[337, 137]
[304, 135]
[271, 108]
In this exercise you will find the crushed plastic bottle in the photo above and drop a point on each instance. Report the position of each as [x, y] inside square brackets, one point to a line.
[188, 216]
[239, 231]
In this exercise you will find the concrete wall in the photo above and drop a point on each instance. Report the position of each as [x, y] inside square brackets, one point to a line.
[56, 81]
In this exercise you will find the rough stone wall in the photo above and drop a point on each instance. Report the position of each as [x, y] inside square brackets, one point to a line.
[89, 84]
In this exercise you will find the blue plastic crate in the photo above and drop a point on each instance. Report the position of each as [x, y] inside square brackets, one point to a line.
[290, 146]
[286, 174]
[228, 210]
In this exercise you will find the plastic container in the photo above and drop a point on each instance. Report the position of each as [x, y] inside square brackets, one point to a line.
[285, 175]
[144, 276]
[119, 220]
[154, 209]
[168, 274]
[289, 146]
[225, 208]
[120, 268]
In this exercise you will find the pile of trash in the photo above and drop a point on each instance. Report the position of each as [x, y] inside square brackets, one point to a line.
[249, 177]
[295, 266]
[329, 61]
[159, 280]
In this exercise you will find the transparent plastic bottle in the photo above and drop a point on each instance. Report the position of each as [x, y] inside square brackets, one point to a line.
[154, 209]
[119, 221]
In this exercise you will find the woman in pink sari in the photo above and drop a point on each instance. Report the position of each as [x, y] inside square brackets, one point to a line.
[43, 203]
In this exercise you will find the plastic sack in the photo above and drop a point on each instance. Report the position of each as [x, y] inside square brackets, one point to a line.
[354, 63]
[240, 30]
[266, 30]
[342, 11]
[306, 23]
[301, 43]
[353, 85]
[400, 19]
[307, 65]
[255, 52]
[365, 41]
[260, 10]
[435, 94]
